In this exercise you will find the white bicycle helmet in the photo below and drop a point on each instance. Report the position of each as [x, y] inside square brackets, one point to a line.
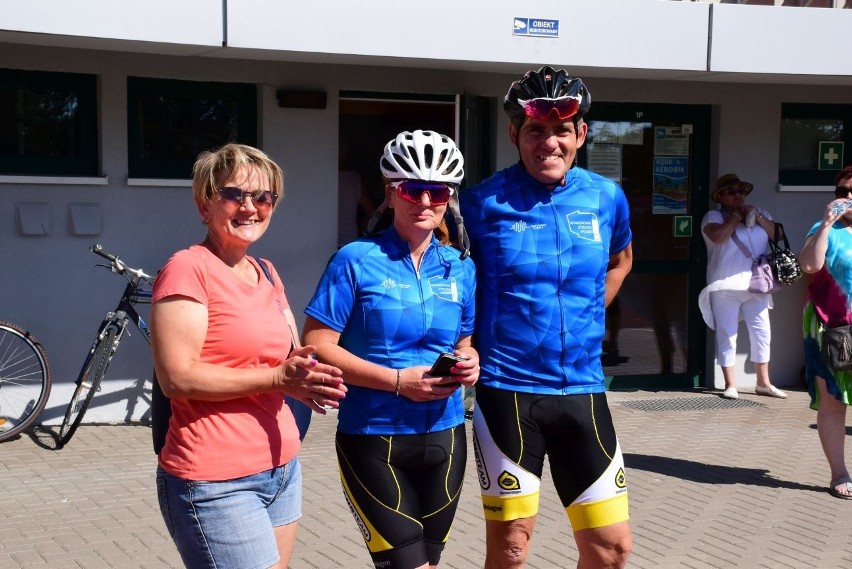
[422, 155]
[431, 157]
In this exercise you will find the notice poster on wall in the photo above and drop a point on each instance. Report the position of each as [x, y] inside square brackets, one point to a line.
[672, 140]
[670, 184]
[605, 159]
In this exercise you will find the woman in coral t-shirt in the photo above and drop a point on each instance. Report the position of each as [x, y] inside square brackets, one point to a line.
[226, 352]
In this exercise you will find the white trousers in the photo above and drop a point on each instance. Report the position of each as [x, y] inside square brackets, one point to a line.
[727, 306]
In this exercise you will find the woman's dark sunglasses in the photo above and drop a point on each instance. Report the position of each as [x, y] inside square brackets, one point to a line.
[238, 196]
[735, 191]
[413, 190]
[541, 109]
[840, 192]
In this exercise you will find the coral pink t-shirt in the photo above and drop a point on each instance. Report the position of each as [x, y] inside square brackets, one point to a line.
[221, 440]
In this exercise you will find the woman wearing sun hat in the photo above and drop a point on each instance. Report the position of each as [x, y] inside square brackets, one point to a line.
[736, 234]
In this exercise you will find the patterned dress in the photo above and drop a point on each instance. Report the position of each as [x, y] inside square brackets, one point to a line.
[828, 306]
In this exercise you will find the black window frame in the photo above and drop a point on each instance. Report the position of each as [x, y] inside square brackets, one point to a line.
[816, 177]
[85, 86]
[244, 94]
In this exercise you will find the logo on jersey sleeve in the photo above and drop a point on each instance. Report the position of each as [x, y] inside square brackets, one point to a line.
[584, 225]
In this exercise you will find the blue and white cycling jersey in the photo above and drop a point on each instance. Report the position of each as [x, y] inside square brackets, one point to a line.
[541, 257]
[392, 316]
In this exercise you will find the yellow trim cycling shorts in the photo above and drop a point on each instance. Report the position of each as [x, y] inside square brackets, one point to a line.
[513, 432]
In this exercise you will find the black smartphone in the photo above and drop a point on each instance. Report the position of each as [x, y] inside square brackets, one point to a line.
[444, 363]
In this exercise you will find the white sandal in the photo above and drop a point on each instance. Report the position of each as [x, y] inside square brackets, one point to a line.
[840, 482]
[770, 391]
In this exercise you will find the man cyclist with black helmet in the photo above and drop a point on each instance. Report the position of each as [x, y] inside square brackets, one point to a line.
[551, 243]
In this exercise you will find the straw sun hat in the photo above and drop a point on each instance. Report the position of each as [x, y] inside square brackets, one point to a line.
[729, 181]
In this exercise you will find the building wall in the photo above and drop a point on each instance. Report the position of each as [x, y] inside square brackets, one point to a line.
[663, 39]
[197, 25]
[52, 287]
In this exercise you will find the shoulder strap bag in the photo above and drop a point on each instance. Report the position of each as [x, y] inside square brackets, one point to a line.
[785, 266]
[301, 412]
[762, 279]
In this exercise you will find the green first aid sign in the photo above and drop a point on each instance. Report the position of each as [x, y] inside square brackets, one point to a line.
[830, 155]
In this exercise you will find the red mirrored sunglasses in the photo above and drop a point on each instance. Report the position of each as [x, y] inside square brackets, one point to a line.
[413, 190]
[543, 108]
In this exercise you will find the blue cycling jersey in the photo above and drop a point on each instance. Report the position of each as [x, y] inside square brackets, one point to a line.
[392, 315]
[542, 257]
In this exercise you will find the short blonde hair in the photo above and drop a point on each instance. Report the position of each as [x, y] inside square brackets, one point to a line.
[214, 168]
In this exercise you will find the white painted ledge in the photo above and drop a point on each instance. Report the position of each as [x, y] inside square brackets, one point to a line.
[56, 180]
[159, 182]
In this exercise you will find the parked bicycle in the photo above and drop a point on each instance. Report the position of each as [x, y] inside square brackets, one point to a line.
[24, 380]
[110, 333]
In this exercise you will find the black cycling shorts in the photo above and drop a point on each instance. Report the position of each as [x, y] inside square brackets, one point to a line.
[403, 491]
[514, 431]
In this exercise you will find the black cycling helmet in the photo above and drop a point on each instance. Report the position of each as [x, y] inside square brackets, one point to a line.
[553, 87]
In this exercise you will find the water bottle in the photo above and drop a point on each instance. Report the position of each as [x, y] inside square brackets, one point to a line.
[841, 206]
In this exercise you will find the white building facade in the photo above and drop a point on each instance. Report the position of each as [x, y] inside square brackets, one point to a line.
[682, 92]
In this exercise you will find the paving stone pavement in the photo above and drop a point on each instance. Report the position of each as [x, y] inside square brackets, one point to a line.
[741, 486]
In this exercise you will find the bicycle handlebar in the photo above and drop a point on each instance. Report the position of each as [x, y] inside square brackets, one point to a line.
[117, 265]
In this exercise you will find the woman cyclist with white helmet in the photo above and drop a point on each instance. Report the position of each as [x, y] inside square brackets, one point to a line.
[386, 307]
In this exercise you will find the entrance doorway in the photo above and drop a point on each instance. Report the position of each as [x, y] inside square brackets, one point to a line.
[659, 154]
[367, 122]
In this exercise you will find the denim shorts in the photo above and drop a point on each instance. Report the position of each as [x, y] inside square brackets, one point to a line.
[230, 523]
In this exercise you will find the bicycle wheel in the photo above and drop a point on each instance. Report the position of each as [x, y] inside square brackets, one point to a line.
[24, 380]
[87, 385]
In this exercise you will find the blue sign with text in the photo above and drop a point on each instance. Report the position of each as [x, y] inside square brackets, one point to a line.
[536, 27]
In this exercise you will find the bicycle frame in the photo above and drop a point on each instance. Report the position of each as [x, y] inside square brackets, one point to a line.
[107, 339]
[118, 319]
[126, 311]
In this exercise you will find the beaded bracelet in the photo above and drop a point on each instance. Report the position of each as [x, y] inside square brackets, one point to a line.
[397, 383]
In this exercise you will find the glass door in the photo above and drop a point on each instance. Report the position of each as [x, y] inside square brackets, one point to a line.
[659, 155]
[367, 121]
